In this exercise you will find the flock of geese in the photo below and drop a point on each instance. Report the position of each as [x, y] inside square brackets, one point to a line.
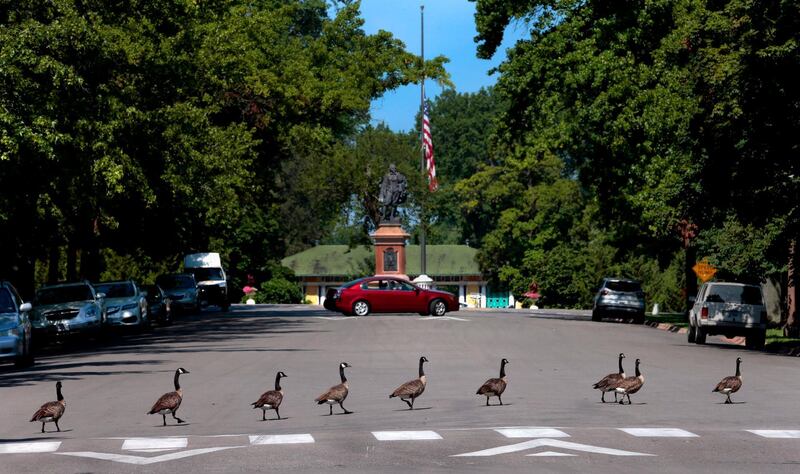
[169, 403]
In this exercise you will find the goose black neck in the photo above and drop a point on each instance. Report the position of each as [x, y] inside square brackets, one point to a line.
[637, 369]
[738, 372]
[620, 365]
[341, 374]
[177, 375]
[421, 371]
[59, 397]
[278, 382]
[502, 369]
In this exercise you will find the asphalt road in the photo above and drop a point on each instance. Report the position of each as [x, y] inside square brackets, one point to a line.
[552, 420]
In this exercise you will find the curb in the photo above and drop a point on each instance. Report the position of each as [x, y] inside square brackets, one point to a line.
[739, 340]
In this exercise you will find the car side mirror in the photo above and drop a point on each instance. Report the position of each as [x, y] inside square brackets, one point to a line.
[25, 307]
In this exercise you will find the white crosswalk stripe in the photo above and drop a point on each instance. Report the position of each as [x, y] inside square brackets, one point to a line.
[781, 434]
[30, 448]
[405, 435]
[281, 439]
[154, 445]
[531, 432]
[658, 432]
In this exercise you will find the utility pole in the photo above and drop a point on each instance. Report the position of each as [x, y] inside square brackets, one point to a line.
[422, 280]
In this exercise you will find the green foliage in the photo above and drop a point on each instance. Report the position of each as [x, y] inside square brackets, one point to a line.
[278, 291]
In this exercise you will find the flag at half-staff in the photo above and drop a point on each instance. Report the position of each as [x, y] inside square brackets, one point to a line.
[427, 147]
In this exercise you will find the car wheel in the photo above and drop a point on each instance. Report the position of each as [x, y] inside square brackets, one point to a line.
[361, 308]
[755, 340]
[690, 334]
[700, 335]
[438, 308]
[639, 319]
[26, 358]
[596, 316]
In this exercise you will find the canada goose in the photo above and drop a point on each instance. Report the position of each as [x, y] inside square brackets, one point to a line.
[495, 387]
[728, 385]
[337, 393]
[170, 402]
[630, 385]
[271, 399]
[413, 388]
[51, 412]
[610, 381]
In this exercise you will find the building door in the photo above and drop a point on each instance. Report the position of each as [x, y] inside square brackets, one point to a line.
[496, 297]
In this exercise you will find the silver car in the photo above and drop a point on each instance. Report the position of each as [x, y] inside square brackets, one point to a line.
[618, 297]
[15, 327]
[125, 304]
[69, 308]
[732, 309]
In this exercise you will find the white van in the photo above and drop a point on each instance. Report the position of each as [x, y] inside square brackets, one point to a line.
[732, 309]
[212, 284]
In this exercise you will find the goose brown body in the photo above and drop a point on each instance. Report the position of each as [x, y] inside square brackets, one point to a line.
[609, 382]
[170, 401]
[630, 385]
[730, 384]
[271, 399]
[495, 387]
[337, 393]
[51, 412]
[413, 388]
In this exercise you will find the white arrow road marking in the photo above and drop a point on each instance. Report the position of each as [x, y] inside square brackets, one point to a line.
[154, 445]
[659, 432]
[555, 443]
[142, 461]
[28, 448]
[551, 453]
[281, 439]
[531, 433]
[405, 435]
[776, 433]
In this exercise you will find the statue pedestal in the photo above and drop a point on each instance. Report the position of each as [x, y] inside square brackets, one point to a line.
[390, 250]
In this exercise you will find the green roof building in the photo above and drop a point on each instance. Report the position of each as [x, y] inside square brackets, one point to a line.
[452, 267]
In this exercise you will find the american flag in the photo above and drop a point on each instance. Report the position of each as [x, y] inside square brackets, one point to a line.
[427, 146]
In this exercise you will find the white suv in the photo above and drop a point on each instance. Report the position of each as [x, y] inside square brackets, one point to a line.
[732, 309]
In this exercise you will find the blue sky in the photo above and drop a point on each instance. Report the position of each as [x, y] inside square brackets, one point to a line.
[449, 30]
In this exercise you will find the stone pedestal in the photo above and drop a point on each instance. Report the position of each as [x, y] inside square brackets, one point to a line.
[390, 251]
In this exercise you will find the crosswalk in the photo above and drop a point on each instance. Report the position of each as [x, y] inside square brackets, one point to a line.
[529, 441]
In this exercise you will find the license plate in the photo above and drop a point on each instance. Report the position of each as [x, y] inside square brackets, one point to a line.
[63, 327]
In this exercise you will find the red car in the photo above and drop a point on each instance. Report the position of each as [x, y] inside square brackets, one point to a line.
[388, 295]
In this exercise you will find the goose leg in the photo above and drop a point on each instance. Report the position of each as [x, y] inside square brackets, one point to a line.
[164, 416]
[57, 428]
[487, 401]
[346, 411]
[278, 413]
[500, 398]
[331, 411]
[603, 396]
[615, 395]
[179, 420]
[728, 400]
[629, 399]
[43, 427]
[263, 415]
[410, 405]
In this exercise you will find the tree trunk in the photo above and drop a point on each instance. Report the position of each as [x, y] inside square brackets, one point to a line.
[72, 262]
[792, 327]
[53, 264]
[691, 278]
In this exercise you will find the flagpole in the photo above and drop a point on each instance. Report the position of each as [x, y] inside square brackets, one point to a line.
[422, 247]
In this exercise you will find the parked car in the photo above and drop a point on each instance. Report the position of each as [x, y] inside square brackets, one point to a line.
[68, 308]
[212, 284]
[159, 305]
[16, 341]
[618, 297]
[388, 295]
[125, 304]
[181, 288]
[731, 309]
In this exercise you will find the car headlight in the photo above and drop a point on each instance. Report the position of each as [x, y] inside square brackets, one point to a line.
[13, 332]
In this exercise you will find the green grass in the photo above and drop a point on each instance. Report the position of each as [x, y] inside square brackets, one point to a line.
[775, 337]
[676, 319]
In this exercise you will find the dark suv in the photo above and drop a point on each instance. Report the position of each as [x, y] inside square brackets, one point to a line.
[619, 297]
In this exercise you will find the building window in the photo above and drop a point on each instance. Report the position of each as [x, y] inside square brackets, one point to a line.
[390, 260]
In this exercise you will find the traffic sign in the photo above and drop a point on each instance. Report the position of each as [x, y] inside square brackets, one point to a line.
[704, 270]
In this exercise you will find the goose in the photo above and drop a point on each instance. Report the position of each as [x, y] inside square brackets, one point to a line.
[495, 387]
[609, 382]
[271, 399]
[630, 385]
[337, 393]
[730, 384]
[170, 402]
[413, 388]
[51, 412]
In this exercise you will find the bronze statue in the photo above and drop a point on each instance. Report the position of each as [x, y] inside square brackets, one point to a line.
[394, 191]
